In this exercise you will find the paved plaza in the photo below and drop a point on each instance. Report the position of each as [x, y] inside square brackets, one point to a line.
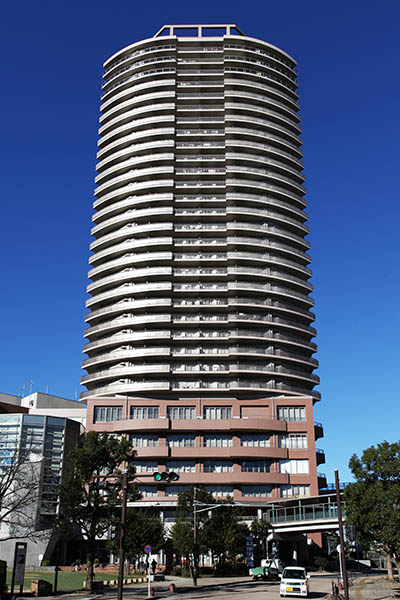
[371, 587]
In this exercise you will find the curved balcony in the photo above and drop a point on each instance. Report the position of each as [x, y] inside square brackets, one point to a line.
[115, 355]
[295, 175]
[130, 259]
[263, 124]
[271, 304]
[265, 201]
[122, 307]
[132, 150]
[268, 229]
[262, 136]
[249, 172]
[140, 125]
[128, 245]
[123, 118]
[138, 51]
[263, 244]
[139, 89]
[267, 150]
[266, 258]
[126, 141]
[134, 177]
[261, 99]
[262, 75]
[270, 274]
[131, 231]
[120, 76]
[99, 376]
[132, 387]
[284, 75]
[125, 338]
[131, 216]
[131, 202]
[163, 185]
[266, 214]
[249, 185]
[235, 109]
[270, 289]
[270, 319]
[125, 291]
[145, 99]
[239, 81]
[122, 323]
[151, 74]
[125, 166]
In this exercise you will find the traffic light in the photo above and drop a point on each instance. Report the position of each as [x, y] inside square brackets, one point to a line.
[166, 477]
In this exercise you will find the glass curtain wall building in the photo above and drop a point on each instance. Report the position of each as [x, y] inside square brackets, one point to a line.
[199, 339]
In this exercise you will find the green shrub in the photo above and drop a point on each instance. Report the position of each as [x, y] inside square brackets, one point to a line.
[45, 563]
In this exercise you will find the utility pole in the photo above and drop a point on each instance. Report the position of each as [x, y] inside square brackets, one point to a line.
[342, 557]
[195, 553]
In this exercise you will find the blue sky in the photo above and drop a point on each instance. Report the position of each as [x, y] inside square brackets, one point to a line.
[348, 56]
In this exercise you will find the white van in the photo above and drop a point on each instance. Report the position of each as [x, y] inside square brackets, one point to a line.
[294, 582]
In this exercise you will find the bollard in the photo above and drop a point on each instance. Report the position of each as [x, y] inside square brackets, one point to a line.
[171, 587]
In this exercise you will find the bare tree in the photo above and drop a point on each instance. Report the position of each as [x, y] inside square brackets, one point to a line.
[20, 477]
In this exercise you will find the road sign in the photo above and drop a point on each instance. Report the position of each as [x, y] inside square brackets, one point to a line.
[250, 551]
[147, 549]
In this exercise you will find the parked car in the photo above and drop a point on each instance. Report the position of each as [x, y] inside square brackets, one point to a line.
[294, 582]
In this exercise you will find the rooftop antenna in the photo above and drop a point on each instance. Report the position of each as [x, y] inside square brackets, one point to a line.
[30, 386]
[23, 390]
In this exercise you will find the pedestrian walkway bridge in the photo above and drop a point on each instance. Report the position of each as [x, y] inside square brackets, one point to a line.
[317, 513]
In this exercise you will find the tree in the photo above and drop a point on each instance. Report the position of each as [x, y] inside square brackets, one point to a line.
[90, 495]
[142, 528]
[373, 501]
[224, 533]
[260, 529]
[20, 475]
[182, 533]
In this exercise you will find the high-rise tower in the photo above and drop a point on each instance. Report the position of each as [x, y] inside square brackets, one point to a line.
[199, 339]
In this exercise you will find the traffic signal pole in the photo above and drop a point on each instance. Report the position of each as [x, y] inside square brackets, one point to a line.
[342, 557]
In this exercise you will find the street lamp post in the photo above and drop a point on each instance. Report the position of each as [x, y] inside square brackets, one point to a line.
[122, 535]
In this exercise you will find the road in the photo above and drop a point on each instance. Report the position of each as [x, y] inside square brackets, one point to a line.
[232, 588]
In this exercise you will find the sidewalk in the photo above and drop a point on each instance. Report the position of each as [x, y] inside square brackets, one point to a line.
[373, 588]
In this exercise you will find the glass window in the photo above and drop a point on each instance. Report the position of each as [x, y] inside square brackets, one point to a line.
[181, 466]
[220, 491]
[217, 412]
[148, 491]
[256, 491]
[213, 440]
[223, 466]
[290, 491]
[144, 412]
[261, 440]
[107, 413]
[144, 441]
[294, 467]
[181, 441]
[181, 412]
[291, 413]
[145, 466]
[294, 441]
[174, 490]
[256, 466]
